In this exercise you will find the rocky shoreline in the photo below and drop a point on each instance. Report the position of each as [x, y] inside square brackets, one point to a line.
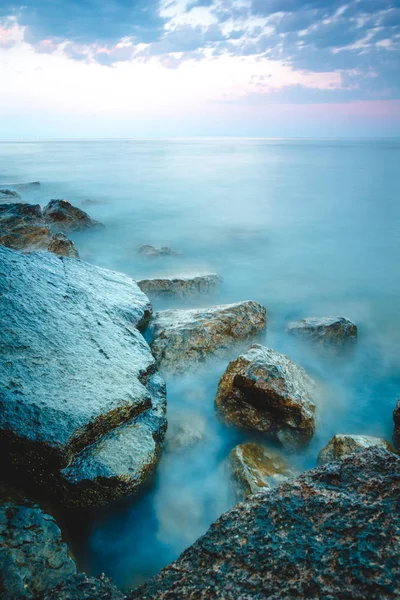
[83, 421]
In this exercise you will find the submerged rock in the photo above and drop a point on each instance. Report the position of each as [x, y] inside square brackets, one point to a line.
[396, 432]
[62, 216]
[256, 468]
[265, 391]
[187, 337]
[334, 532]
[185, 431]
[9, 196]
[62, 246]
[180, 286]
[82, 587]
[343, 445]
[33, 555]
[152, 252]
[82, 409]
[325, 331]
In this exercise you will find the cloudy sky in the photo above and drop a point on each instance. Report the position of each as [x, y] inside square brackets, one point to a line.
[156, 68]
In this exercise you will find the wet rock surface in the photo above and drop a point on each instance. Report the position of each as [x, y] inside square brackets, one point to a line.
[396, 432]
[180, 286]
[189, 337]
[256, 468]
[265, 391]
[33, 555]
[62, 246]
[334, 532]
[61, 216]
[76, 374]
[343, 445]
[326, 331]
[82, 587]
[149, 251]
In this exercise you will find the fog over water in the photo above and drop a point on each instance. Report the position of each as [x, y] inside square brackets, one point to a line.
[307, 228]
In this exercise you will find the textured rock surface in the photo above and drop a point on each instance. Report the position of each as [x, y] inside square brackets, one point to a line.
[33, 555]
[333, 532]
[343, 445]
[396, 432]
[180, 286]
[82, 587]
[61, 245]
[60, 215]
[265, 391]
[325, 331]
[73, 368]
[152, 252]
[187, 337]
[256, 468]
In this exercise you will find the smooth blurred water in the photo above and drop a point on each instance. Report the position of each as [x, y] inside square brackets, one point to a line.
[308, 228]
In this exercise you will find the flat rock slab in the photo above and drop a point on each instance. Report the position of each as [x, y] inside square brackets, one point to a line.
[331, 332]
[181, 287]
[189, 337]
[74, 367]
[343, 445]
[333, 532]
[265, 391]
[33, 555]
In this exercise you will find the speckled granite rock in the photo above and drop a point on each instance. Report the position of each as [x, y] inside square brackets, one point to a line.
[343, 445]
[152, 252]
[33, 555]
[82, 587]
[60, 215]
[189, 337]
[332, 533]
[76, 376]
[256, 468]
[265, 391]
[180, 286]
[325, 331]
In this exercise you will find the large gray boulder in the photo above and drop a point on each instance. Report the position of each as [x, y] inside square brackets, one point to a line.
[82, 409]
[33, 555]
[333, 532]
[189, 337]
[62, 216]
[181, 287]
[343, 445]
[329, 332]
[265, 391]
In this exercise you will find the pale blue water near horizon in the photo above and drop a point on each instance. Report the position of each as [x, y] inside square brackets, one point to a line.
[306, 227]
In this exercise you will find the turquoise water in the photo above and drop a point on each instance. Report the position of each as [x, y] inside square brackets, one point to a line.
[308, 228]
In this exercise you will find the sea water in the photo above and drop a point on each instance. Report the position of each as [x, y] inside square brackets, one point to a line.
[306, 227]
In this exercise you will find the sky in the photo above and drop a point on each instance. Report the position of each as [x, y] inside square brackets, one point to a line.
[184, 68]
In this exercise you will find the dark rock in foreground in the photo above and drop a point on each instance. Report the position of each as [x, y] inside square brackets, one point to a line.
[181, 287]
[82, 587]
[62, 216]
[82, 409]
[333, 532]
[33, 555]
[265, 391]
[326, 331]
[189, 337]
[396, 432]
[343, 445]
[152, 252]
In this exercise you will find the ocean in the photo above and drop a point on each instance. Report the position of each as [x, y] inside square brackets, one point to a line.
[306, 227]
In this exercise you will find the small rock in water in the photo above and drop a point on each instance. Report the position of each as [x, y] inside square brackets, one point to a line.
[265, 391]
[343, 445]
[180, 286]
[185, 431]
[62, 216]
[153, 252]
[9, 196]
[33, 555]
[189, 337]
[256, 468]
[326, 331]
[61, 245]
[396, 432]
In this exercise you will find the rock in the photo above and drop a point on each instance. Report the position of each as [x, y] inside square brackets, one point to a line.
[9, 196]
[33, 555]
[256, 468]
[265, 391]
[343, 445]
[185, 431]
[334, 532]
[22, 187]
[396, 432]
[62, 246]
[60, 215]
[152, 252]
[82, 410]
[327, 331]
[180, 286]
[187, 337]
[82, 587]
